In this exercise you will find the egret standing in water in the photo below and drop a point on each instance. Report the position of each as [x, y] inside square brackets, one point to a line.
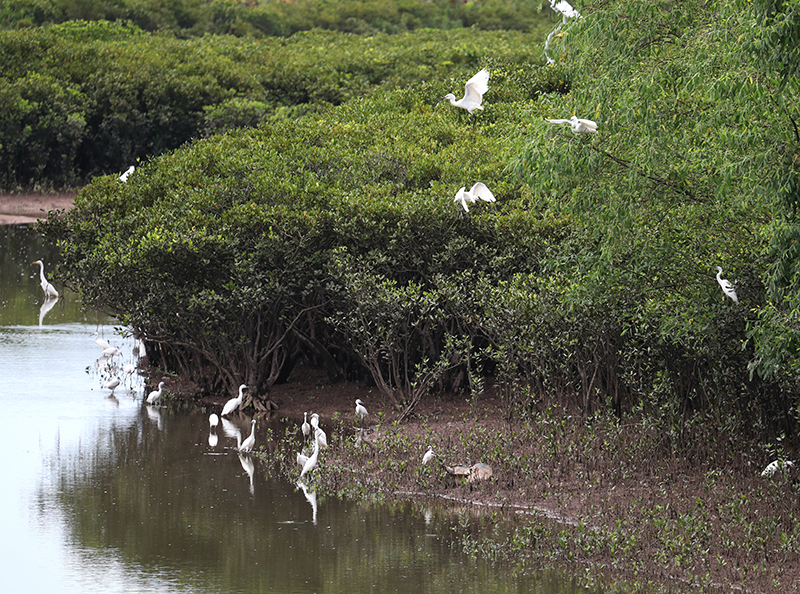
[213, 420]
[234, 403]
[311, 461]
[111, 385]
[100, 342]
[49, 290]
[579, 125]
[247, 445]
[155, 395]
[479, 190]
[474, 91]
[727, 288]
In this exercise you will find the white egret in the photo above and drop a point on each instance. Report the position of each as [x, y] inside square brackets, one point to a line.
[234, 403]
[777, 465]
[155, 395]
[565, 9]
[49, 290]
[305, 427]
[315, 421]
[124, 177]
[129, 368]
[474, 91]
[547, 44]
[100, 342]
[111, 352]
[301, 459]
[479, 190]
[579, 126]
[311, 461]
[213, 420]
[110, 385]
[247, 445]
[428, 455]
[727, 288]
[320, 437]
[361, 410]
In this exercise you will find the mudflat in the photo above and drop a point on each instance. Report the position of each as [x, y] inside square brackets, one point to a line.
[27, 208]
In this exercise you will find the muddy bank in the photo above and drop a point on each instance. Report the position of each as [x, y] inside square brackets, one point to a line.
[27, 208]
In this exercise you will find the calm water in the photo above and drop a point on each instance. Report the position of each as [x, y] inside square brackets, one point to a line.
[103, 494]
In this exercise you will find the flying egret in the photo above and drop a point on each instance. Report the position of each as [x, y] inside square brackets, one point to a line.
[128, 171]
[474, 91]
[49, 290]
[428, 455]
[306, 428]
[311, 462]
[247, 445]
[579, 126]
[213, 420]
[727, 288]
[479, 190]
[234, 403]
[565, 9]
[155, 395]
[777, 465]
[110, 385]
[361, 410]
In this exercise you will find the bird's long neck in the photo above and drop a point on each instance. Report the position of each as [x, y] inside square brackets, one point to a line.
[41, 272]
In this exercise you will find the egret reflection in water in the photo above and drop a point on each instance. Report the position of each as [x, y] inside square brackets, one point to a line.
[154, 414]
[250, 468]
[311, 497]
[47, 305]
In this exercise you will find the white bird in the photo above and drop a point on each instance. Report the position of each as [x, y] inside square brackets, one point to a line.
[213, 420]
[155, 395]
[247, 445]
[129, 368]
[234, 403]
[479, 190]
[579, 126]
[315, 421]
[547, 44]
[100, 342]
[727, 288]
[111, 384]
[777, 465]
[320, 437]
[49, 290]
[111, 352]
[565, 9]
[361, 410]
[474, 91]
[128, 171]
[311, 461]
[428, 456]
[306, 428]
[301, 459]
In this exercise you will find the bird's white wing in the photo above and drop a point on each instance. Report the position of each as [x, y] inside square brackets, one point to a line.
[566, 9]
[479, 190]
[477, 86]
[590, 125]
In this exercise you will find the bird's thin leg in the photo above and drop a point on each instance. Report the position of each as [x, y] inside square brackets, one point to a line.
[474, 121]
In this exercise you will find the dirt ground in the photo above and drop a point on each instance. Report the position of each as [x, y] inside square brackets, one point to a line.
[18, 209]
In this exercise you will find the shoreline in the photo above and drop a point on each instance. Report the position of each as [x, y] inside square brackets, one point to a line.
[28, 207]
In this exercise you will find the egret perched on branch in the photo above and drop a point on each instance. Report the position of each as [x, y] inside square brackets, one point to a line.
[320, 437]
[727, 288]
[428, 455]
[579, 126]
[128, 171]
[49, 290]
[474, 91]
[479, 190]
[565, 9]
[547, 43]
[315, 421]
[155, 395]
[247, 445]
[234, 403]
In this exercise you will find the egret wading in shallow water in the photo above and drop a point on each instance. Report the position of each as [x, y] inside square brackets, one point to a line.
[579, 125]
[247, 445]
[213, 420]
[234, 403]
[49, 290]
[124, 177]
[479, 190]
[474, 91]
[727, 288]
[111, 385]
[100, 342]
[155, 395]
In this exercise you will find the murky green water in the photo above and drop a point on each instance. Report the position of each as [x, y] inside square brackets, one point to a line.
[103, 494]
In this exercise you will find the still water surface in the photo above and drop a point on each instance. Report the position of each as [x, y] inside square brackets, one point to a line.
[103, 494]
